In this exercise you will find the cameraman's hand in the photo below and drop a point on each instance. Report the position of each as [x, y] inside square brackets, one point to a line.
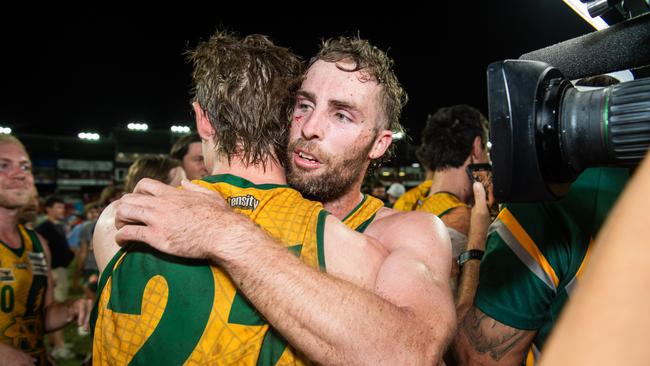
[480, 218]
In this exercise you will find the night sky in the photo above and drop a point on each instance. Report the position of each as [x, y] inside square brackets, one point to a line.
[68, 70]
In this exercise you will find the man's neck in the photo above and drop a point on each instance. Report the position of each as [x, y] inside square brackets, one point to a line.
[8, 221]
[343, 205]
[271, 172]
[53, 220]
[453, 181]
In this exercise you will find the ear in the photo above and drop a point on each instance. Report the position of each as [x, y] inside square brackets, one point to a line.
[478, 152]
[381, 144]
[203, 126]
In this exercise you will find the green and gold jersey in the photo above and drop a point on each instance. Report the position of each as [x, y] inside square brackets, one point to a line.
[156, 309]
[362, 215]
[439, 203]
[536, 253]
[23, 282]
[414, 196]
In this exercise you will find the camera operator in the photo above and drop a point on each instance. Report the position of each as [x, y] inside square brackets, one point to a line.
[534, 257]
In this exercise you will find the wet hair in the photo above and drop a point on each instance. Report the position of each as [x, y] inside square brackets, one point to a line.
[376, 66]
[246, 88]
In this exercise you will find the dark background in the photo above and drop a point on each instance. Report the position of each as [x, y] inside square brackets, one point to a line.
[77, 69]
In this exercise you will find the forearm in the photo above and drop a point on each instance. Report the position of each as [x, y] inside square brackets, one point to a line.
[328, 319]
[469, 276]
[58, 315]
[467, 287]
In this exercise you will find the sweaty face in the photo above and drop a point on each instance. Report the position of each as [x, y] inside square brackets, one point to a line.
[335, 176]
[335, 124]
[193, 162]
[16, 180]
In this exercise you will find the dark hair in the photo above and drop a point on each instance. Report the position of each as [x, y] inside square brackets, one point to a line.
[94, 205]
[598, 81]
[154, 167]
[448, 136]
[52, 200]
[377, 66]
[110, 193]
[182, 145]
[245, 86]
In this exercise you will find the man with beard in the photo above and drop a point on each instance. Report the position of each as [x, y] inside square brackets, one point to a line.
[27, 306]
[400, 311]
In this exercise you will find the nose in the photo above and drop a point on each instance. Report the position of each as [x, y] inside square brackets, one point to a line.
[313, 127]
[17, 172]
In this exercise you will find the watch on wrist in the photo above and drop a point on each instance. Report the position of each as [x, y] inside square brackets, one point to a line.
[469, 255]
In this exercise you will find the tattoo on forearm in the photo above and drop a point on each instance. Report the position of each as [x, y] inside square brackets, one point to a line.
[488, 335]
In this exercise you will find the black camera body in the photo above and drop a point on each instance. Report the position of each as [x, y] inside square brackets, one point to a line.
[544, 132]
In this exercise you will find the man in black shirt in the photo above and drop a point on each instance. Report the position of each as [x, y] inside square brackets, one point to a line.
[53, 230]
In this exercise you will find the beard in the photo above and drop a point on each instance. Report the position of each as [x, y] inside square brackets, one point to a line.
[13, 200]
[335, 180]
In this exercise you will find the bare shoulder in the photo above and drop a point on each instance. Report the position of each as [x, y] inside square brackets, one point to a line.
[409, 230]
[350, 255]
[104, 245]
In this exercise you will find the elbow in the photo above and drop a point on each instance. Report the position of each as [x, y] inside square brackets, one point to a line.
[424, 347]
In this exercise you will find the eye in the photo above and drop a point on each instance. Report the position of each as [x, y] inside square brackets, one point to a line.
[342, 117]
[303, 107]
[4, 166]
[26, 167]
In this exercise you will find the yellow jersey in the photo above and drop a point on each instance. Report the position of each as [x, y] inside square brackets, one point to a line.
[439, 203]
[23, 282]
[156, 309]
[414, 196]
[362, 215]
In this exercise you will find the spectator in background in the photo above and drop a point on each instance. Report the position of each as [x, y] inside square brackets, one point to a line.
[394, 192]
[53, 230]
[188, 151]
[163, 169]
[109, 194]
[84, 254]
[453, 138]
[28, 309]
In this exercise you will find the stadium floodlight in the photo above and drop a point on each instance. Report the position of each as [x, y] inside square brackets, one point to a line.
[88, 136]
[180, 129]
[136, 126]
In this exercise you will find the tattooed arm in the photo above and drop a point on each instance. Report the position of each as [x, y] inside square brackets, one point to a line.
[482, 340]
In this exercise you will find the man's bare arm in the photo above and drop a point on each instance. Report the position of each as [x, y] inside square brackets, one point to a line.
[104, 245]
[469, 275]
[482, 340]
[329, 319]
[606, 322]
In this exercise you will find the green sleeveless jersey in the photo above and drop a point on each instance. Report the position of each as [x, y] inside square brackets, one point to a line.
[155, 309]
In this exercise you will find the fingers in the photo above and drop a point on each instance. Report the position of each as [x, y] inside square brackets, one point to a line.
[187, 185]
[139, 233]
[133, 210]
[152, 187]
[479, 194]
